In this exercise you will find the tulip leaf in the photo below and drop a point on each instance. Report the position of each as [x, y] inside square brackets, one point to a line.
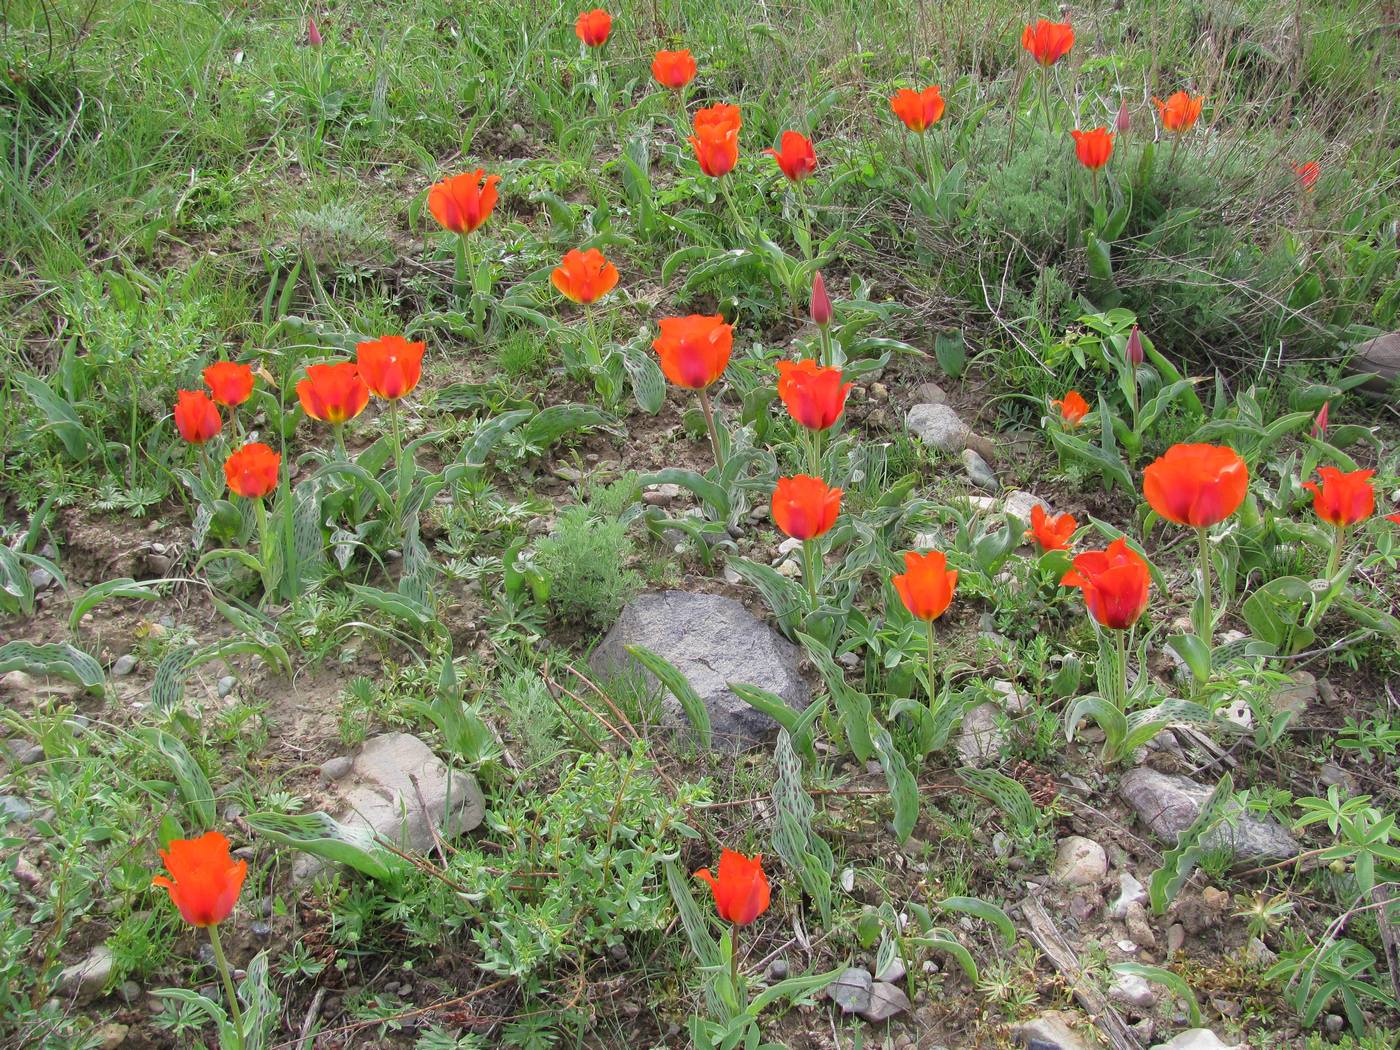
[1174, 982]
[904, 789]
[678, 686]
[193, 785]
[1180, 861]
[851, 704]
[99, 593]
[986, 911]
[323, 836]
[54, 660]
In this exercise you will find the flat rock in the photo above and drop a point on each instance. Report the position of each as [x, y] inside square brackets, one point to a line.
[1133, 992]
[712, 641]
[1019, 504]
[1168, 803]
[20, 752]
[1079, 862]
[1380, 358]
[1055, 1030]
[13, 807]
[1199, 1039]
[87, 979]
[981, 738]
[852, 991]
[886, 1001]
[1298, 695]
[978, 472]
[401, 792]
[938, 426]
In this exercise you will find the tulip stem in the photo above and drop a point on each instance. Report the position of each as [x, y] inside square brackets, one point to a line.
[1121, 640]
[1205, 629]
[398, 462]
[814, 452]
[810, 569]
[264, 548]
[931, 637]
[828, 357]
[734, 959]
[1045, 99]
[1334, 560]
[709, 412]
[928, 161]
[204, 468]
[233, 1008]
[734, 210]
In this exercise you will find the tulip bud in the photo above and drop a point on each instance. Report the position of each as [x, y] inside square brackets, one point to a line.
[1123, 121]
[313, 33]
[821, 303]
[1319, 429]
[1134, 351]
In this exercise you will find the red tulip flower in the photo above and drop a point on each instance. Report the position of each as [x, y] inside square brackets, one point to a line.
[252, 471]
[203, 880]
[1196, 485]
[593, 27]
[927, 584]
[673, 69]
[1048, 42]
[1093, 147]
[390, 366]
[584, 277]
[805, 507]
[694, 350]
[229, 383]
[794, 155]
[1394, 518]
[1050, 534]
[1307, 174]
[333, 393]
[716, 139]
[919, 110]
[463, 202]
[1341, 499]
[1073, 409]
[1179, 112]
[196, 416]
[814, 396]
[740, 889]
[1124, 120]
[1115, 583]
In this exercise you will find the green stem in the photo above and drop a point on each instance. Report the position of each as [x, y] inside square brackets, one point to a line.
[810, 568]
[1121, 640]
[1045, 99]
[801, 195]
[339, 431]
[709, 412]
[398, 461]
[204, 469]
[734, 960]
[828, 358]
[233, 1008]
[814, 452]
[1205, 630]
[931, 635]
[928, 160]
[734, 210]
[264, 547]
[1334, 560]
[461, 270]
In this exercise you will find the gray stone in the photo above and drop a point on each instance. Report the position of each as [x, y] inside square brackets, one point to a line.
[129, 991]
[1199, 1039]
[1379, 358]
[1259, 953]
[778, 970]
[1133, 992]
[123, 666]
[930, 394]
[20, 752]
[1079, 862]
[712, 641]
[1055, 1030]
[978, 472]
[852, 990]
[403, 793]
[1298, 695]
[1176, 938]
[894, 972]
[260, 928]
[227, 684]
[41, 579]
[886, 1001]
[1019, 504]
[87, 979]
[938, 426]
[981, 739]
[1168, 803]
[25, 871]
[333, 769]
[12, 807]
[1139, 928]
[110, 1035]
[1130, 892]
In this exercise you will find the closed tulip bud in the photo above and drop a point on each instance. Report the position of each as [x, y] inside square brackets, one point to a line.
[1123, 121]
[1134, 351]
[821, 302]
[313, 34]
[1319, 430]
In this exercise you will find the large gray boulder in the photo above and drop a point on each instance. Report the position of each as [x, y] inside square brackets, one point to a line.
[1380, 357]
[712, 641]
[1168, 804]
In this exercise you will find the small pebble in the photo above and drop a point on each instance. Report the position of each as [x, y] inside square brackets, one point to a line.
[124, 666]
[227, 684]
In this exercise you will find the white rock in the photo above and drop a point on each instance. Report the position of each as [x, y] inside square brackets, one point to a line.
[1132, 991]
[1079, 862]
[1199, 1039]
[1130, 892]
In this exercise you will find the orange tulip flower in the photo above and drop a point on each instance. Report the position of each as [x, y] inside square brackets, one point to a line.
[1395, 518]
[804, 507]
[1050, 534]
[203, 880]
[794, 155]
[1073, 409]
[919, 110]
[1180, 111]
[196, 416]
[584, 277]
[252, 471]
[593, 27]
[814, 396]
[1116, 584]
[716, 139]
[1196, 485]
[463, 202]
[333, 393]
[1307, 174]
[926, 586]
[1341, 499]
[740, 889]
[673, 69]
[229, 383]
[390, 366]
[1093, 147]
[694, 350]
[1048, 42]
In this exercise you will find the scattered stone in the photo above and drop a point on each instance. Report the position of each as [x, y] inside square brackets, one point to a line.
[792, 569]
[110, 1035]
[333, 769]
[978, 472]
[852, 990]
[1130, 891]
[1019, 504]
[981, 739]
[260, 929]
[930, 394]
[1079, 862]
[1298, 695]
[227, 684]
[1333, 1024]
[12, 807]
[25, 871]
[1176, 938]
[712, 641]
[123, 666]
[41, 579]
[129, 991]
[403, 794]
[28, 688]
[1380, 358]
[1259, 953]
[1084, 904]
[938, 426]
[1333, 775]
[894, 972]
[1055, 1030]
[20, 752]
[778, 970]
[87, 979]
[886, 1001]
[1198, 1039]
[1139, 929]
[1133, 992]
[1168, 804]
[732, 577]
[661, 495]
